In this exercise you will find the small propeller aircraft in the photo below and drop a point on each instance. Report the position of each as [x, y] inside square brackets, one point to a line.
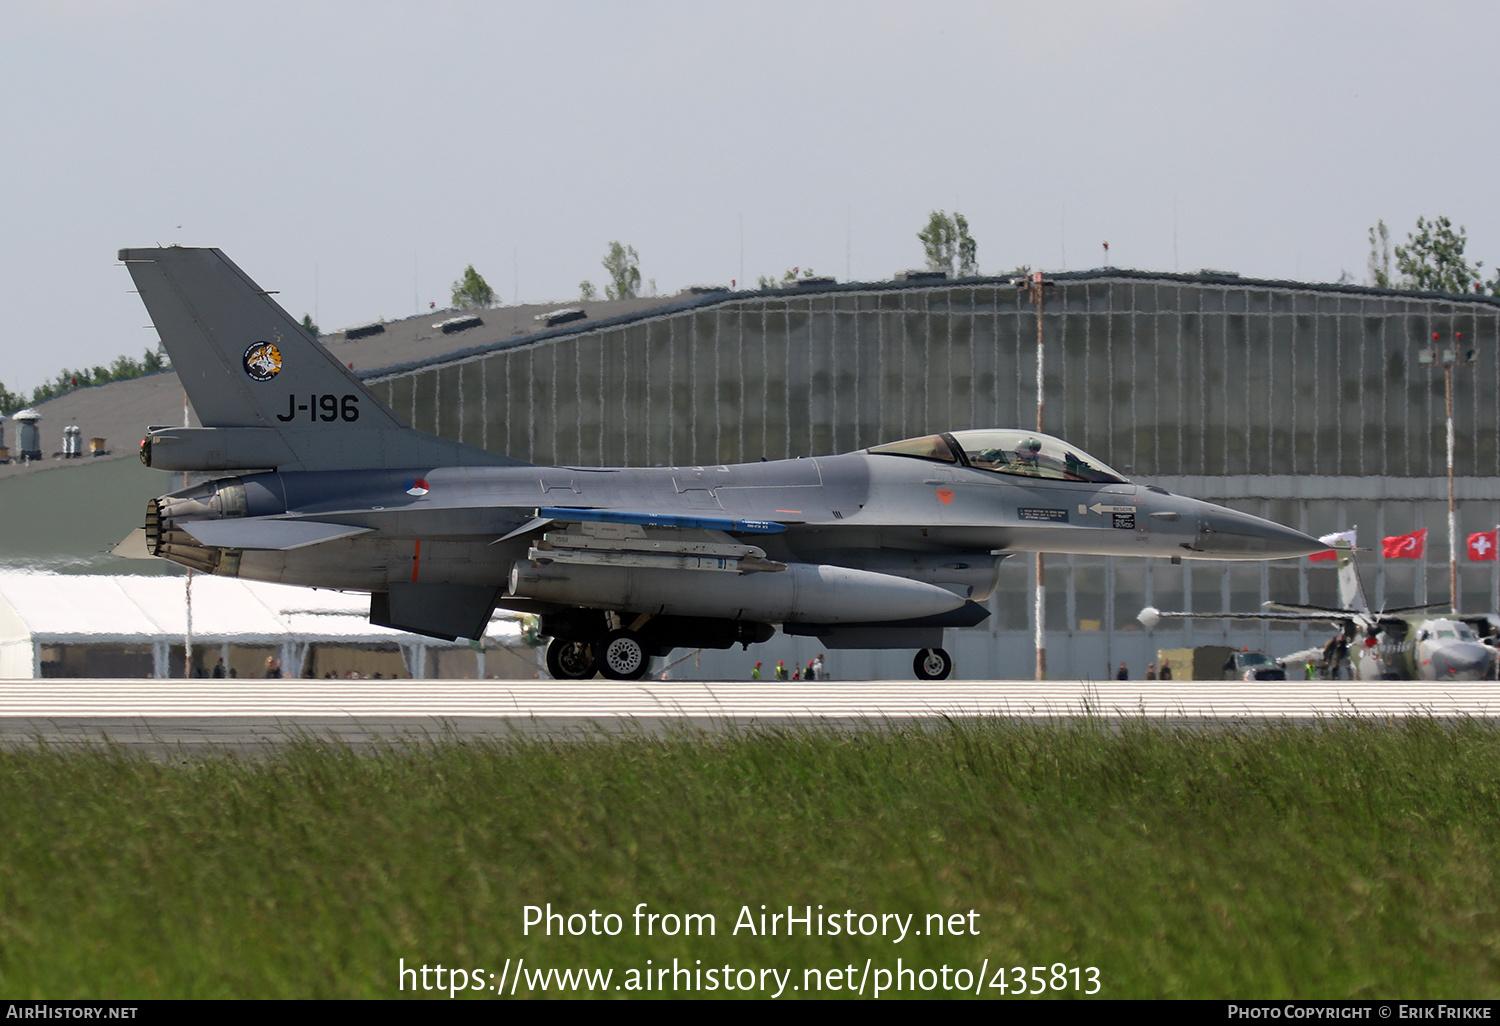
[324, 485]
[1395, 644]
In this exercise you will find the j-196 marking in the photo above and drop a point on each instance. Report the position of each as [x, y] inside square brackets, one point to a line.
[322, 407]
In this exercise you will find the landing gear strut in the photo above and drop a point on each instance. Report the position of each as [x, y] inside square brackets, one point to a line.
[570, 660]
[933, 664]
[622, 656]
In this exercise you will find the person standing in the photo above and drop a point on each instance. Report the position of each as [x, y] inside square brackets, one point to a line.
[780, 670]
[1122, 673]
[820, 670]
[1166, 669]
[1150, 671]
[755, 672]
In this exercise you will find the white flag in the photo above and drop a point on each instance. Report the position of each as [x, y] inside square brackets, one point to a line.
[1333, 539]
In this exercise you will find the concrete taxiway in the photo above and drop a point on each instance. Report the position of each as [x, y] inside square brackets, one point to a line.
[257, 715]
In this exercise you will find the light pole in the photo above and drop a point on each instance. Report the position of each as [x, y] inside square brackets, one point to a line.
[1032, 287]
[1448, 357]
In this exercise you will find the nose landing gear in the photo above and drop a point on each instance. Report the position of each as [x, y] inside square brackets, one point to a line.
[933, 664]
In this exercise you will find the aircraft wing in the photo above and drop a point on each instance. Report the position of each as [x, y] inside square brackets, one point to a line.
[1316, 612]
[1150, 616]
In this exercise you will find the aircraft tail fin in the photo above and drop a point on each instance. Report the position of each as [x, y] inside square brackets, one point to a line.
[1351, 588]
[259, 382]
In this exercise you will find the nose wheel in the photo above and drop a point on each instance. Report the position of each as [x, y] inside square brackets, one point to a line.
[622, 656]
[570, 660]
[933, 664]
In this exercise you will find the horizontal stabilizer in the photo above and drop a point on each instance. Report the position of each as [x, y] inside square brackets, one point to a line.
[266, 533]
[134, 546]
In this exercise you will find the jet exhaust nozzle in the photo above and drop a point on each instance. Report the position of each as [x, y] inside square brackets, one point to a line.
[212, 500]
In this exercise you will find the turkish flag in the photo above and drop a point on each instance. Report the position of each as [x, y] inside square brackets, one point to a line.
[1405, 546]
[1482, 546]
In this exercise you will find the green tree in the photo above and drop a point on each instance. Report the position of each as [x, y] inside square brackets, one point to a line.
[10, 401]
[1433, 258]
[769, 281]
[122, 369]
[586, 292]
[309, 327]
[471, 291]
[948, 245]
[624, 269]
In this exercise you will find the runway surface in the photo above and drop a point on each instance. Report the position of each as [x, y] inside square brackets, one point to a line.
[166, 716]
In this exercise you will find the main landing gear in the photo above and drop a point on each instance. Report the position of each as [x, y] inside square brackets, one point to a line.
[619, 655]
[622, 656]
[933, 664]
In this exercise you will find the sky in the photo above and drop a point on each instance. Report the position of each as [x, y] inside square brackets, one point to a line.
[357, 156]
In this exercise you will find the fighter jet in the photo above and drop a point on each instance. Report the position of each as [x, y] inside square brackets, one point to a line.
[324, 485]
[1394, 644]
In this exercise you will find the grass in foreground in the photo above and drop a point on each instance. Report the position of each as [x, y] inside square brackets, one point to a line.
[1352, 860]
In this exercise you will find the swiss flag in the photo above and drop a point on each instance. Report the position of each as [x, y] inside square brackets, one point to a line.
[1405, 546]
[1482, 546]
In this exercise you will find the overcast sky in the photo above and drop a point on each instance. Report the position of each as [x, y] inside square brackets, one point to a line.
[356, 156]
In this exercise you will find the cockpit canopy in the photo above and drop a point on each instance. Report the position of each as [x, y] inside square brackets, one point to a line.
[1006, 451]
[1451, 629]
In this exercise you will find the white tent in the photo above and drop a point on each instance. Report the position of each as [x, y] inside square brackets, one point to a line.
[157, 622]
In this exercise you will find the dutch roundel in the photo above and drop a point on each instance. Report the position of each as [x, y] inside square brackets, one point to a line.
[415, 486]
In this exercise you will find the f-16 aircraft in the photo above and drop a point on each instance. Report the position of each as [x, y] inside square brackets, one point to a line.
[327, 487]
[1394, 644]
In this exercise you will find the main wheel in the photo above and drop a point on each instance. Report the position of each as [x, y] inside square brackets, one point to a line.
[933, 664]
[570, 660]
[622, 656]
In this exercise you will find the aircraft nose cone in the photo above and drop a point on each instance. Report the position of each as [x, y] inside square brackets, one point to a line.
[1462, 660]
[1229, 534]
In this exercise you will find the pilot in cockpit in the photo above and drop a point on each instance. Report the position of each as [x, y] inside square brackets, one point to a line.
[1026, 457]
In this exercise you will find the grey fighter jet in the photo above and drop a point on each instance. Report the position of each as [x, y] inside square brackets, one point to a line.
[323, 485]
[1393, 644]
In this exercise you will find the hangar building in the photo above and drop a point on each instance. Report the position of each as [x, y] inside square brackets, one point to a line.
[1302, 403]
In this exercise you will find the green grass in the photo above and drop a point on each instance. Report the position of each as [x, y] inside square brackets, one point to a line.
[1350, 860]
